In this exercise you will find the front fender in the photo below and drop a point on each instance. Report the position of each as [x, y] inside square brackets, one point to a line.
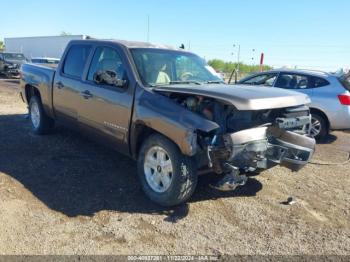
[163, 115]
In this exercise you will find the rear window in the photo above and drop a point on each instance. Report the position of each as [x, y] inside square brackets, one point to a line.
[319, 82]
[76, 60]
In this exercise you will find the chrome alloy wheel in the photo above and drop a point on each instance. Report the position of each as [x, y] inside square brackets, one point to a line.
[35, 114]
[158, 169]
[316, 127]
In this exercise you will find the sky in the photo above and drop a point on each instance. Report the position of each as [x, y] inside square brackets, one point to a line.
[295, 33]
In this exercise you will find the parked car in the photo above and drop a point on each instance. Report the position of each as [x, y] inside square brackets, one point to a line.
[164, 108]
[10, 63]
[46, 61]
[329, 93]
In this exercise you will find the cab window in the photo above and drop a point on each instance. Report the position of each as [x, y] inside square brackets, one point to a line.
[75, 60]
[106, 59]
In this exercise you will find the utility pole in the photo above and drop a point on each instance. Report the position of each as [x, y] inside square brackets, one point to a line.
[148, 29]
[253, 55]
[238, 58]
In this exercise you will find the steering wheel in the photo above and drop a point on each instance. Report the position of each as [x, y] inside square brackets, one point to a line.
[186, 76]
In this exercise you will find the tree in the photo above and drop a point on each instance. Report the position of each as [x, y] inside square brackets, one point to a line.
[217, 64]
[2, 46]
[64, 33]
[228, 67]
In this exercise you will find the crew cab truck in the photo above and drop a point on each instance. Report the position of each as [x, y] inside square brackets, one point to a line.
[163, 107]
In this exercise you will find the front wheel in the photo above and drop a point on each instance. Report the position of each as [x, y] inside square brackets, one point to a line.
[167, 176]
[41, 123]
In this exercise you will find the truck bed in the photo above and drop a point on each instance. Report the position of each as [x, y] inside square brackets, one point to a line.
[42, 78]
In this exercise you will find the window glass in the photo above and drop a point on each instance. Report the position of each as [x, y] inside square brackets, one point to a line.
[76, 60]
[163, 67]
[292, 81]
[187, 68]
[264, 79]
[319, 82]
[13, 56]
[106, 59]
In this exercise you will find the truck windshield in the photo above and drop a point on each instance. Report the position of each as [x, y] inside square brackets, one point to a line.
[159, 67]
[13, 56]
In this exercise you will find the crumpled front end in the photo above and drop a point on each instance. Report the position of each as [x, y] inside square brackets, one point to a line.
[12, 68]
[249, 140]
[285, 142]
[264, 147]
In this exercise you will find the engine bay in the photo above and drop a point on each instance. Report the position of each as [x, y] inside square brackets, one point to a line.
[232, 120]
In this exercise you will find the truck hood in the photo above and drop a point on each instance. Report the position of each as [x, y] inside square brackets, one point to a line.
[243, 97]
[15, 62]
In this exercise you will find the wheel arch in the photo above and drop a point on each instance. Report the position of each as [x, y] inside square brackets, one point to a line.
[322, 114]
[140, 132]
[30, 91]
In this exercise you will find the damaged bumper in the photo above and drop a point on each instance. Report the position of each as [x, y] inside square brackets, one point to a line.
[264, 147]
[259, 148]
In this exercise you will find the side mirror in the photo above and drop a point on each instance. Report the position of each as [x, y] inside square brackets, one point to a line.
[109, 77]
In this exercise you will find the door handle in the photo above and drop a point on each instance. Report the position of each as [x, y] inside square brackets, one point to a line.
[60, 85]
[86, 94]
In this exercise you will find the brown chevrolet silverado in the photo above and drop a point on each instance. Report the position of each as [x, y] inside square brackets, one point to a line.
[163, 107]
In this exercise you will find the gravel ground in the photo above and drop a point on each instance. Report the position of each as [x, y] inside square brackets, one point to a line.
[62, 194]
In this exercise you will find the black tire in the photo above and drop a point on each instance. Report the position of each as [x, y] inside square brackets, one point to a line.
[45, 123]
[183, 178]
[323, 132]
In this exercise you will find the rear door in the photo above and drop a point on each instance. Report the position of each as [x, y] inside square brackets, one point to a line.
[106, 109]
[67, 84]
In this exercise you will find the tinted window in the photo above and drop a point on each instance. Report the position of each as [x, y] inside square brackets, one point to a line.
[319, 82]
[264, 79]
[76, 59]
[106, 59]
[292, 81]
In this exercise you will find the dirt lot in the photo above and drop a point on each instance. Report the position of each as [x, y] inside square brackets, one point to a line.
[62, 194]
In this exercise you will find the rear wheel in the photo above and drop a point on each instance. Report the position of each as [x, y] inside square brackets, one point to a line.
[319, 129]
[167, 176]
[41, 123]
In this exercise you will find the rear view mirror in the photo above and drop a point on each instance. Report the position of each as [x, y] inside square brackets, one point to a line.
[108, 77]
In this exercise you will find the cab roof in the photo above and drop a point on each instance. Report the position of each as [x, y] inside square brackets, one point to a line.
[300, 71]
[131, 44]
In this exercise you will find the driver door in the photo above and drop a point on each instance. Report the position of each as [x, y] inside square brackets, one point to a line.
[105, 110]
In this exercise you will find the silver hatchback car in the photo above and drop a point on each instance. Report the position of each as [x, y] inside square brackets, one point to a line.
[329, 93]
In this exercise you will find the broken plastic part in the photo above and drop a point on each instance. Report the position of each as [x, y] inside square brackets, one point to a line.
[231, 180]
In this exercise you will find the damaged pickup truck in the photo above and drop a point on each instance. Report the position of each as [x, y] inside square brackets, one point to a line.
[166, 109]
